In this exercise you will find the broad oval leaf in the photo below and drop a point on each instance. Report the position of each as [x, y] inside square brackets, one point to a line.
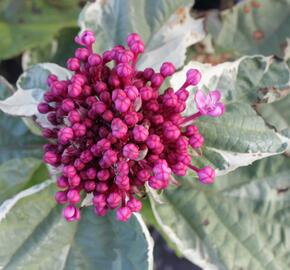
[34, 234]
[166, 27]
[240, 222]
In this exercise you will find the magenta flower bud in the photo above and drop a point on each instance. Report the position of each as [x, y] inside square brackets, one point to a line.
[73, 64]
[61, 197]
[182, 144]
[123, 182]
[100, 87]
[123, 214]
[122, 167]
[146, 93]
[48, 133]
[62, 182]
[119, 128]
[206, 175]
[114, 200]
[122, 105]
[196, 141]
[89, 186]
[161, 170]
[79, 129]
[209, 104]
[191, 130]
[79, 165]
[124, 70]
[132, 38]
[107, 56]
[153, 141]
[86, 38]
[158, 149]
[103, 145]
[71, 213]
[131, 118]
[184, 158]
[99, 200]
[148, 73]
[86, 156]
[94, 59]
[167, 69]
[157, 119]
[179, 169]
[131, 151]
[51, 158]
[103, 175]
[157, 184]
[102, 187]
[91, 173]
[108, 115]
[156, 80]
[171, 132]
[105, 97]
[118, 94]
[125, 57]
[143, 175]
[74, 181]
[73, 196]
[87, 90]
[134, 205]
[44, 108]
[99, 107]
[74, 116]
[169, 98]
[131, 92]
[82, 54]
[57, 88]
[69, 171]
[51, 79]
[101, 212]
[140, 133]
[137, 47]
[74, 90]
[182, 94]
[193, 77]
[110, 157]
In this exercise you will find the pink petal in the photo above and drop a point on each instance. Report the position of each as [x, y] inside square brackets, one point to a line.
[218, 110]
[200, 99]
[215, 96]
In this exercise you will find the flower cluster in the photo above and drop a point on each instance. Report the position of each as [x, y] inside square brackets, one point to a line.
[112, 131]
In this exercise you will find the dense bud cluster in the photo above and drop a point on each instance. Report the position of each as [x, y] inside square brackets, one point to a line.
[112, 131]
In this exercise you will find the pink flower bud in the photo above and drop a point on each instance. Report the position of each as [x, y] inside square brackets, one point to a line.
[156, 80]
[82, 54]
[140, 133]
[89, 186]
[122, 105]
[167, 69]
[65, 135]
[69, 171]
[124, 70]
[193, 77]
[137, 47]
[123, 214]
[153, 141]
[99, 200]
[73, 64]
[94, 59]
[86, 156]
[71, 213]
[119, 128]
[131, 151]
[74, 181]
[179, 169]
[132, 38]
[143, 175]
[100, 87]
[206, 175]
[85, 39]
[146, 93]
[134, 205]
[131, 92]
[148, 73]
[157, 183]
[101, 211]
[44, 108]
[122, 167]
[73, 196]
[182, 144]
[131, 118]
[103, 175]
[74, 90]
[108, 116]
[74, 116]
[51, 158]
[161, 170]
[114, 200]
[110, 157]
[171, 131]
[62, 182]
[169, 98]
[191, 130]
[79, 129]
[91, 173]
[184, 158]
[79, 165]
[125, 57]
[102, 187]
[196, 141]
[61, 197]
[99, 107]
[123, 182]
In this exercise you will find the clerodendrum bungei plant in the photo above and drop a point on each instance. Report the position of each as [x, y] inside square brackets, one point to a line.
[126, 133]
[113, 132]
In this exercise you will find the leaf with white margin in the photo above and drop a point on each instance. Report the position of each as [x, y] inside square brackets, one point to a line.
[33, 232]
[242, 221]
[166, 27]
[240, 136]
[31, 86]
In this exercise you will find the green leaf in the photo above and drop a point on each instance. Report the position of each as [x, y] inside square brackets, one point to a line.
[247, 29]
[57, 51]
[14, 180]
[166, 27]
[26, 24]
[240, 136]
[34, 235]
[240, 222]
